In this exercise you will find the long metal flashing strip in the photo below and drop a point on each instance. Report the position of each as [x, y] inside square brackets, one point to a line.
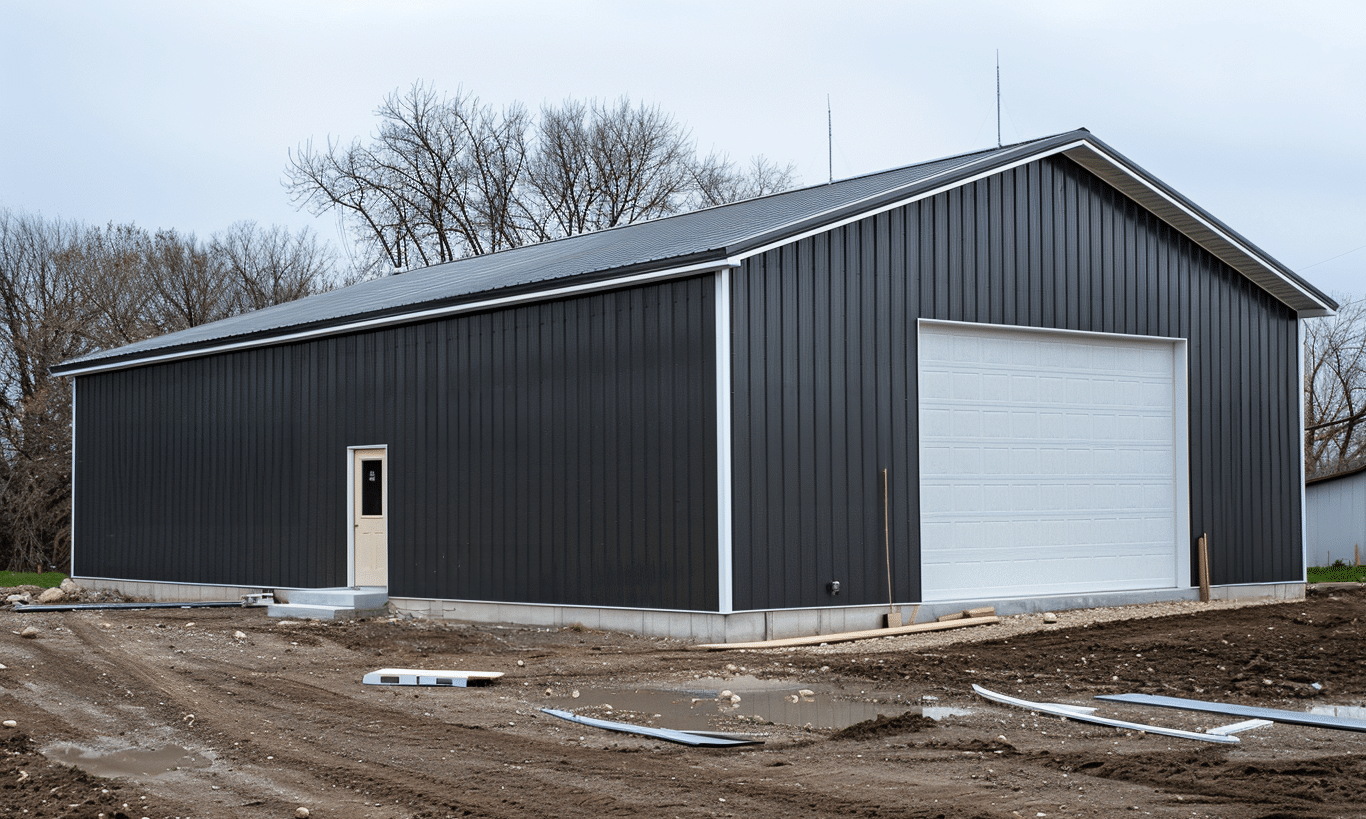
[1068, 713]
[189, 604]
[408, 318]
[1229, 709]
[667, 734]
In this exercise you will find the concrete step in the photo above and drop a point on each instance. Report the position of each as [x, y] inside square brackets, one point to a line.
[309, 611]
[365, 597]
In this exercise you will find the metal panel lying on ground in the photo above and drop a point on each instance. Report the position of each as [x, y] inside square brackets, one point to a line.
[1273, 714]
[414, 676]
[1066, 712]
[199, 604]
[667, 734]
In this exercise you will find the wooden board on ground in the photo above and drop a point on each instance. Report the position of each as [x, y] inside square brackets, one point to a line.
[968, 614]
[436, 677]
[850, 636]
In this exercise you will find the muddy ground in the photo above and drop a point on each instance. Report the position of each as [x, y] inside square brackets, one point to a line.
[261, 724]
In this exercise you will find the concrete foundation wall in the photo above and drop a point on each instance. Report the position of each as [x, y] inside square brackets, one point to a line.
[772, 625]
[705, 627]
[167, 592]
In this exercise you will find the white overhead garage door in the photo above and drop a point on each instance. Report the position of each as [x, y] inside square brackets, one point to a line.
[1050, 462]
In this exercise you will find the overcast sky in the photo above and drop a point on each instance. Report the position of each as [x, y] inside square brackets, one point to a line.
[181, 114]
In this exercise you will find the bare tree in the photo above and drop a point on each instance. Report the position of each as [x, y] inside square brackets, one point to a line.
[67, 290]
[268, 266]
[448, 177]
[41, 313]
[1335, 391]
[435, 183]
[718, 181]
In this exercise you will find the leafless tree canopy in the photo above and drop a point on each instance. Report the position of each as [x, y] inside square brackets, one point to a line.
[448, 177]
[1335, 391]
[67, 290]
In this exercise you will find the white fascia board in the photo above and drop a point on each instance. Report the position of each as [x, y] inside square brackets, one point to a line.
[1193, 225]
[410, 318]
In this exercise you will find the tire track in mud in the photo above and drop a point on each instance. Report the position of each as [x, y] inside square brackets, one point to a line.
[340, 726]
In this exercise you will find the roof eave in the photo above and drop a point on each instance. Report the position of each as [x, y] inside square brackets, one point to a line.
[1201, 227]
[1117, 171]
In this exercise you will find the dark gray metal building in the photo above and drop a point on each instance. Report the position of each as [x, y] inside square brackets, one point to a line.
[1067, 370]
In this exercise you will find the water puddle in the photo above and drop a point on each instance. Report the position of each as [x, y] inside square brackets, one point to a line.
[1347, 711]
[695, 705]
[131, 763]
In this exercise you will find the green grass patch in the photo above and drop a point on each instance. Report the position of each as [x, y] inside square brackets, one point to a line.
[47, 580]
[1337, 574]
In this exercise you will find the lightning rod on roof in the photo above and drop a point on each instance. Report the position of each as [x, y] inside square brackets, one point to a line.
[830, 137]
[998, 98]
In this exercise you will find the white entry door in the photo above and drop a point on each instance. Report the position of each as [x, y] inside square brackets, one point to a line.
[369, 510]
[1050, 462]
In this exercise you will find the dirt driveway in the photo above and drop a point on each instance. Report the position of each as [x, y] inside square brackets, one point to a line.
[261, 724]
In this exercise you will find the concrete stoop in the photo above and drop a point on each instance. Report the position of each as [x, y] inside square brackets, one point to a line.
[330, 604]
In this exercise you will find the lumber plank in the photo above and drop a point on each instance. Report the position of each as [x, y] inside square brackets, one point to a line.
[849, 636]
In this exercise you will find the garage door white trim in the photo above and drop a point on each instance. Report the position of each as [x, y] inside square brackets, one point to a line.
[1051, 462]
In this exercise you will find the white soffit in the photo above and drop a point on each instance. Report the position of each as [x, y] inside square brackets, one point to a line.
[1228, 248]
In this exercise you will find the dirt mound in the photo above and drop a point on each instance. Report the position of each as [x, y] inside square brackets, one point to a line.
[884, 726]
[1214, 773]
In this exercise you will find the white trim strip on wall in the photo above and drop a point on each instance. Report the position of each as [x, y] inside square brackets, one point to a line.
[1304, 517]
[72, 511]
[408, 318]
[725, 495]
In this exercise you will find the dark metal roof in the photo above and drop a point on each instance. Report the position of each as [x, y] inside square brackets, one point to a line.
[695, 240]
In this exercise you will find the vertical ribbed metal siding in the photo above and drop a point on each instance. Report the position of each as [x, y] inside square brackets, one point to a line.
[825, 352]
[554, 453]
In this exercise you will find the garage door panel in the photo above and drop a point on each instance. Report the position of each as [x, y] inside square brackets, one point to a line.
[1048, 464]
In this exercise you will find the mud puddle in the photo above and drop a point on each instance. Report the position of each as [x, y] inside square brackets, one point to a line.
[132, 763]
[700, 704]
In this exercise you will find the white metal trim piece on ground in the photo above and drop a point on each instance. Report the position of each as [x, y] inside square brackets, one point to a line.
[432, 677]
[1239, 727]
[410, 318]
[351, 507]
[724, 466]
[1068, 713]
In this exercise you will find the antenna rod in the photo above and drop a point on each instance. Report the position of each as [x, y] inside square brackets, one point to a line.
[830, 137]
[998, 98]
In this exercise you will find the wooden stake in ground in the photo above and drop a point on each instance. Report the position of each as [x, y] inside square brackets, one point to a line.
[1202, 547]
[893, 616]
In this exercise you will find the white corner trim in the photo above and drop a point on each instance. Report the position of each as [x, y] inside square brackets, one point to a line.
[71, 512]
[1304, 514]
[410, 318]
[724, 476]
[1182, 458]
